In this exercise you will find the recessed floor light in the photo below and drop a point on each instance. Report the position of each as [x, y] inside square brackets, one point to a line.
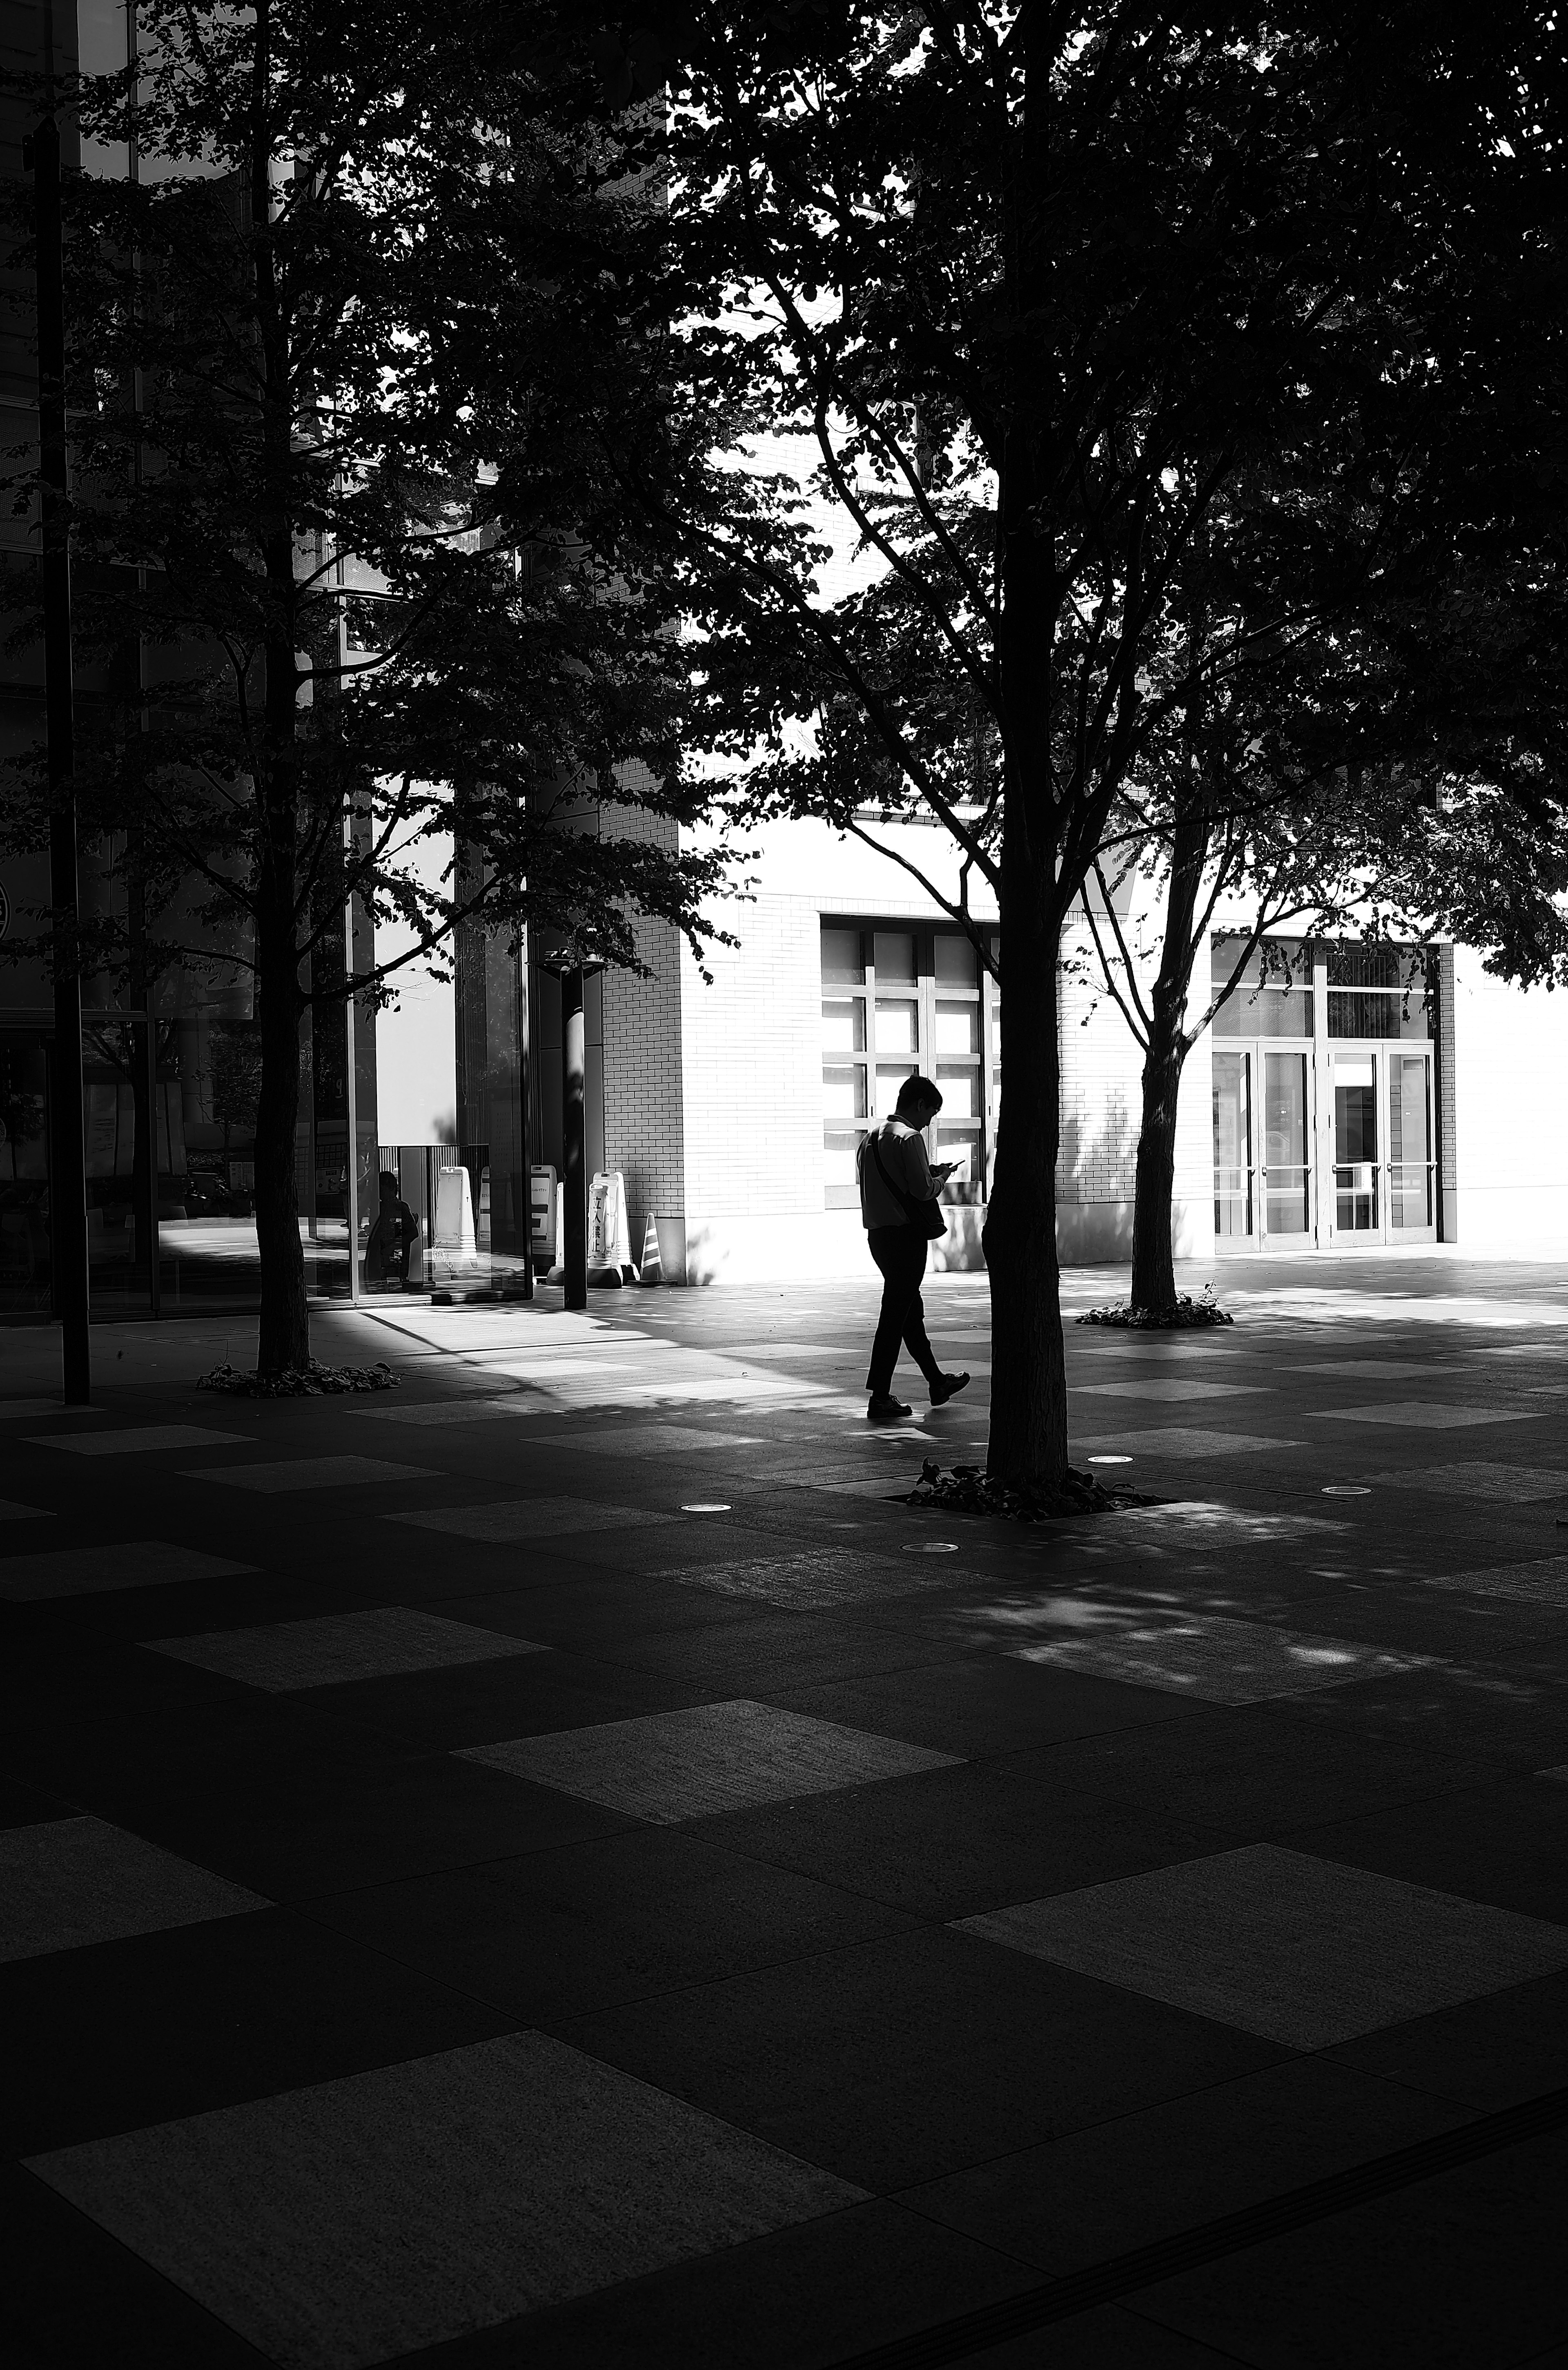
[932, 1547]
[1110, 1460]
[708, 1506]
[1344, 1490]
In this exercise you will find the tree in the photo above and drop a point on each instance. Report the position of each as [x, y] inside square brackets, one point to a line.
[1030, 283]
[354, 582]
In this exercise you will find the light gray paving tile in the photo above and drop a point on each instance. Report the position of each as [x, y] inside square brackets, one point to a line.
[448, 1411]
[1176, 1388]
[1200, 1515]
[789, 1349]
[1178, 1440]
[690, 1765]
[1559, 1775]
[359, 2220]
[1303, 1951]
[1219, 1661]
[805, 1583]
[518, 1520]
[338, 1647]
[1544, 1582]
[1521, 1482]
[308, 1473]
[90, 1571]
[141, 1439]
[70, 1882]
[1390, 1369]
[651, 1439]
[10, 1512]
[1419, 1415]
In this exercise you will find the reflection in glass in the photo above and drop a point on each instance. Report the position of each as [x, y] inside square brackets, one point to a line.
[1232, 1146]
[890, 1078]
[894, 958]
[1287, 1173]
[898, 1027]
[958, 1031]
[960, 1090]
[1410, 1141]
[1355, 1145]
[956, 965]
[844, 1090]
[844, 1025]
[842, 964]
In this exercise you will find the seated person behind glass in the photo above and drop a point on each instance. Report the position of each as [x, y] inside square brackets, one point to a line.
[393, 1232]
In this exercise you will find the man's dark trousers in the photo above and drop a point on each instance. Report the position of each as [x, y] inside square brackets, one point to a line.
[899, 1252]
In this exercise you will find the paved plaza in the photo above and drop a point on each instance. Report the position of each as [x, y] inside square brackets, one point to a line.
[556, 1865]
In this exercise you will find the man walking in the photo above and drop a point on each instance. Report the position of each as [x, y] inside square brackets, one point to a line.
[899, 1211]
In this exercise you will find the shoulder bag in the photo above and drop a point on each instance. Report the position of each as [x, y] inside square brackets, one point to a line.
[929, 1216]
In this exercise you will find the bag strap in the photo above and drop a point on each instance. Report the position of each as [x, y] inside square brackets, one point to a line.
[909, 1201]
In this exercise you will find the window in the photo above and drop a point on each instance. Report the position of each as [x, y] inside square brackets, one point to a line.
[1275, 1001]
[894, 1001]
[1377, 991]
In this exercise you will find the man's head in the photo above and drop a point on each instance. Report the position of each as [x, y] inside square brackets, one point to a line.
[919, 1102]
[389, 1186]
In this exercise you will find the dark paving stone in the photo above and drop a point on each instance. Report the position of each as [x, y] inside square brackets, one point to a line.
[1506, 1843]
[1520, 1723]
[630, 1916]
[1457, 2270]
[77, 2300]
[959, 1841]
[320, 1806]
[127, 2033]
[442, 1710]
[987, 1705]
[29, 1806]
[1112, 2339]
[1488, 2054]
[801, 2299]
[1254, 1770]
[908, 2058]
[1147, 2175]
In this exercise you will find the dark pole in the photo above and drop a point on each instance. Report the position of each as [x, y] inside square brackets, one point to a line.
[67, 1192]
[524, 1082]
[574, 1249]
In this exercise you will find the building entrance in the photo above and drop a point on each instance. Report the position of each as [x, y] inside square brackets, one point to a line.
[1382, 1152]
[1324, 1108]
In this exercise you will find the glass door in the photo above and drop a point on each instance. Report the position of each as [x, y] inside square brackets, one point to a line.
[1235, 1221]
[1359, 1210]
[1412, 1168]
[1288, 1160]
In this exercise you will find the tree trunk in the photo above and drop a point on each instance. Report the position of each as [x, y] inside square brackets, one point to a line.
[1028, 1446]
[283, 1337]
[1154, 1272]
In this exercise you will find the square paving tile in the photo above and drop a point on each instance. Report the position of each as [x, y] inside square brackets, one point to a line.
[347, 2223]
[515, 1521]
[11, 1513]
[1420, 1415]
[1542, 1582]
[1220, 1659]
[13, 1411]
[308, 1473]
[1302, 1951]
[87, 1571]
[651, 1439]
[1179, 1387]
[1522, 1482]
[70, 1882]
[812, 1582]
[140, 1438]
[341, 1646]
[446, 1411]
[1178, 1440]
[720, 1756]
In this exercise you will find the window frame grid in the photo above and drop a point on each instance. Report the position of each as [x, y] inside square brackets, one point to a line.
[978, 1129]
